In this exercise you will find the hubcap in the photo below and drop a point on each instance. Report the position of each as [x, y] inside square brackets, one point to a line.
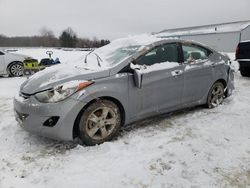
[216, 97]
[101, 123]
[16, 70]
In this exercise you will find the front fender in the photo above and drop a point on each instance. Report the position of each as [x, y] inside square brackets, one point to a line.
[114, 87]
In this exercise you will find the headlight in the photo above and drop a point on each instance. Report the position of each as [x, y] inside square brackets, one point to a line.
[61, 92]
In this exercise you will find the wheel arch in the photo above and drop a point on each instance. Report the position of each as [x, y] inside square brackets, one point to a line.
[222, 81]
[77, 120]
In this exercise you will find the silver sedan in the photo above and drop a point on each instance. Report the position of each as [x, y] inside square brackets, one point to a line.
[123, 82]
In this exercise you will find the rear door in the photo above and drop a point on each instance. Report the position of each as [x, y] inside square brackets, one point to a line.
[162, 80]
[197, 74]
[2, 63]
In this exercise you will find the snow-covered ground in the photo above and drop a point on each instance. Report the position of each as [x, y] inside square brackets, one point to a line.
[196, 147]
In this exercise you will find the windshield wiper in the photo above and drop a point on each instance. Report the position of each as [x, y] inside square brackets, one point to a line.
[98, 59]
[85, 60]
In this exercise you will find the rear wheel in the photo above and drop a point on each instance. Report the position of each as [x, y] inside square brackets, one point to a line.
[215, 95]
[100, 122]
[16, 69]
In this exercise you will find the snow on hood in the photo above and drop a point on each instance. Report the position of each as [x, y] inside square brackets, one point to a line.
[59, 74]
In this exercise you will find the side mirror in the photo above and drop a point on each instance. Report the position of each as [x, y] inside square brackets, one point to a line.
[137, 75]
[137, 78]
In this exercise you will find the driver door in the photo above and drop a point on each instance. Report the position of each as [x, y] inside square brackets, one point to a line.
[162, 80]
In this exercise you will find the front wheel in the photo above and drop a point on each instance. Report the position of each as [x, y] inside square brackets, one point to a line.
[100, 122]
[215, 95]
[16, 69]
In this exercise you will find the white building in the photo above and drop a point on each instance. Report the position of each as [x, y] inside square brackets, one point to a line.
[222, 37]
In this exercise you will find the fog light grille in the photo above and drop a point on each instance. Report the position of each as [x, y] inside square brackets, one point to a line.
[51, 122]
[21, 116]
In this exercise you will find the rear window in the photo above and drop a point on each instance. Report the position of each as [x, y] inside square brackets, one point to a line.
[193, 52]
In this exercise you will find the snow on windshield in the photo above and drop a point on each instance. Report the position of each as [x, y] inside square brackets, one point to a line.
[123, 48]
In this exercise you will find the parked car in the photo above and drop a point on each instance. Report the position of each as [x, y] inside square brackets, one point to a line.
[11, 64]
[118, 84]
[242, 55]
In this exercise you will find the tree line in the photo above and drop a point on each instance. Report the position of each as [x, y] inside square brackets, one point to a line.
[68, 39]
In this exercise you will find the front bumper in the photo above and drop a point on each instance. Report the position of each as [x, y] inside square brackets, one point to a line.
[32, 115]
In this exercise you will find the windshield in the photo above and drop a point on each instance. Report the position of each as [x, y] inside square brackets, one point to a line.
[121, 49]
[120, 54]
[111, 57]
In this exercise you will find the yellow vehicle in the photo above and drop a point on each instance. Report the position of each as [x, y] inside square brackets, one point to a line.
[31, 66]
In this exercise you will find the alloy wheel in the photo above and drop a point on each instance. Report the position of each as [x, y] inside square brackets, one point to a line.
[216, 95]
[16, 69]
[101, 122]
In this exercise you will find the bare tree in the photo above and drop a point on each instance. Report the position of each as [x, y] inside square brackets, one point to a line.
[45, 32]
[48, 38]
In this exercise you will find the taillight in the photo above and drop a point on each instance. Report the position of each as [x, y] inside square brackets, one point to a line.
[237, 52]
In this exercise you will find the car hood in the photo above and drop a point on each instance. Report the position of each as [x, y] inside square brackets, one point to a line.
[21, 56]
[59, 74]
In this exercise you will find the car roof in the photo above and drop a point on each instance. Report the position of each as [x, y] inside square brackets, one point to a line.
[177, 40]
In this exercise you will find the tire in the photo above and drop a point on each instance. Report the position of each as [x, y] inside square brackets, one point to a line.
[15, 69]
[244, 72]
[100, 122]
[216, 95]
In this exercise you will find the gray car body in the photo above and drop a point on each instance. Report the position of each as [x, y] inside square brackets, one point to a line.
[160, 92]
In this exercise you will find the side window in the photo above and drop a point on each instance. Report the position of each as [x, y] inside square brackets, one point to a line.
[160, 54]
[192, 53]
[1, 53]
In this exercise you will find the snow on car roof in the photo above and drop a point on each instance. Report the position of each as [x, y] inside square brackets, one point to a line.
[136, 40]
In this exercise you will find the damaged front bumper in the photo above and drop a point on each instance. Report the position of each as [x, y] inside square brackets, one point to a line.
[53, 120]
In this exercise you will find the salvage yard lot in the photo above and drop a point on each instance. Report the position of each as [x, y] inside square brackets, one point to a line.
[195, 147]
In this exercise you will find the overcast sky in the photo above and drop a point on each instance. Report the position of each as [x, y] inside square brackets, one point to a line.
[111, 19]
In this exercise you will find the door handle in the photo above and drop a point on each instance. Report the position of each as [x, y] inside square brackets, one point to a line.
[176, 72]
